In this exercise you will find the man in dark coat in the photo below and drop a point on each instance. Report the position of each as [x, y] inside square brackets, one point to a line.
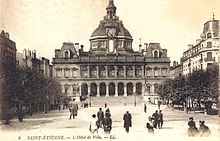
[145, 108]
[155, 116]
[203, 129]
[160, 119]
[127, 121]
[107, 124]
[100, 116]
[191, 122]
[192, 130]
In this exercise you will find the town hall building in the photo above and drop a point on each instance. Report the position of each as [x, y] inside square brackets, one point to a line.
[111, 67]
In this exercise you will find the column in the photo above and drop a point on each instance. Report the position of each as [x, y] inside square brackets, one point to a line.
[116, 90]
[134, 89]
[71, 90]
[97, 71]
[142, 67]
[125, 90]
[107, 89]
[98, 89]
[106, 71]
[133, 69]
[152, 89]
[116, 70]
[88, 67]
[152, 71]
[124, 67]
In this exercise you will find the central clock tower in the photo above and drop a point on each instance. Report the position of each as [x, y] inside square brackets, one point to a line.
[111, 36]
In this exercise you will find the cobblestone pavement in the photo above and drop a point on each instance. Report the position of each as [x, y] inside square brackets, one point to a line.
[55, 124]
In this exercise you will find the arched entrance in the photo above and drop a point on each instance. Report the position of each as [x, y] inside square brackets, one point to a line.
[84, 89]
[102, 89]
[93, 89]
[138, 88]
[129, 89]
[111, 89]
[120, 89]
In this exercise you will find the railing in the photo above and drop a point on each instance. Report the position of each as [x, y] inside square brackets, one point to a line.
[150, 59]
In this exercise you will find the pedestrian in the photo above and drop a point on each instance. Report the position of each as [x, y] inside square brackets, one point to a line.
[160, 119]
[203, 129]
[105, 105]
[107, 112]
[150, 128]
[145, 108]
[107, 124]
[192, 130]
[155, 116]
[191, 122]
[93, 125]
[159, 103]
[71, 109]
[127, 121]
[100, 116]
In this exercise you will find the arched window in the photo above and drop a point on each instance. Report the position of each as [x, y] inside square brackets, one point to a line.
[66, 54]
[156, 54]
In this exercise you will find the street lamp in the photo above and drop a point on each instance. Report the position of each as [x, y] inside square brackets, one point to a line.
[90, 100]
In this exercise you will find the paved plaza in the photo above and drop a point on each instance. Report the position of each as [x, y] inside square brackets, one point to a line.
[55, 124]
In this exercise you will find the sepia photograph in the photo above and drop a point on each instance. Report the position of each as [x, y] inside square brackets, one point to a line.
[81, 70]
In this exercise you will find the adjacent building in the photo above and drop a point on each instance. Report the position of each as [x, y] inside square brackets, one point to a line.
[111, 67]
[28, 59]
[176, 70]
[206, 50]
[7, 66]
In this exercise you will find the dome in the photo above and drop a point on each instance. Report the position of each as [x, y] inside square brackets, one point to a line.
[101, 31]
[111, 21]
[111, 36]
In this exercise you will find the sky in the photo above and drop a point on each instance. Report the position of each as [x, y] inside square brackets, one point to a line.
[44, 25]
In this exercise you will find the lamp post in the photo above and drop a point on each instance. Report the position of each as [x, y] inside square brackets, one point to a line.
[90, 100]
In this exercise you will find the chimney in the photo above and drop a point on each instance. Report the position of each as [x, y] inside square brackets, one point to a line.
[57, 52]
[174, 64]
[81, 48]
[140, 48]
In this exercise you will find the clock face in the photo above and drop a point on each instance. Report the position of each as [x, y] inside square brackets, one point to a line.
[111, 32]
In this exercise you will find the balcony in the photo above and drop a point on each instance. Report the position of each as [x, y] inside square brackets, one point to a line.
[157, 60]
[106, 59]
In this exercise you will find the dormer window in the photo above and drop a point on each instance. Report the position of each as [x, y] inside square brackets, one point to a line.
[66, 54]
[156, 54]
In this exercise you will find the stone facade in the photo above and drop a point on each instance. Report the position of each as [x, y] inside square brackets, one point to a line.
[205, 52]
[7, 64]
[111, 67]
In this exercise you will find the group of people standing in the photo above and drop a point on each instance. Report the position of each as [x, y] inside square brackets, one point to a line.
[155, 121]
[103, 121]
[203, 130]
